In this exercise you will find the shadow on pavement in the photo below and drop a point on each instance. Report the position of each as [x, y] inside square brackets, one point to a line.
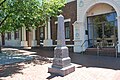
[84, 60]
[9, 70]
[96, 61]
[81, 59]
[53, 76]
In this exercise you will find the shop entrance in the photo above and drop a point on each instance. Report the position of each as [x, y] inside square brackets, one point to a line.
[102, 30]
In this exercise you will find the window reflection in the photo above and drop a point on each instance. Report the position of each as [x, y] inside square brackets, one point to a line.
[102, 28]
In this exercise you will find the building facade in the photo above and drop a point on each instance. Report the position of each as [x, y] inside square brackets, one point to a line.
[46, 36]
[88, 23]
[70, 16]
[20, 38]
[98, 22]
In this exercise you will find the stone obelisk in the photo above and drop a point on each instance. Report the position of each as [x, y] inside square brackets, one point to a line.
[61, 62]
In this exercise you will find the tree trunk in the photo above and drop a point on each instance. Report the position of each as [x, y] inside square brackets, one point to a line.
[3, 20]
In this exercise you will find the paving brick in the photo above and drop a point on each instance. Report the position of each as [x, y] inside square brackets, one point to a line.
[86, 68]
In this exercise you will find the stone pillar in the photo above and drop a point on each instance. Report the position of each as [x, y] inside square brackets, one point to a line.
[48, 41]
[24, 43]
[49, 30]
[34, 42]
[118, 19]
[46, 34]
[78, 36]
[61, 62]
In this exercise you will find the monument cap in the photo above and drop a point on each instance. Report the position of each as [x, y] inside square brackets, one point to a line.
[60, 15]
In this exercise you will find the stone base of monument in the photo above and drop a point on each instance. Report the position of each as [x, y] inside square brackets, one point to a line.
[61, 62]
[61, 71]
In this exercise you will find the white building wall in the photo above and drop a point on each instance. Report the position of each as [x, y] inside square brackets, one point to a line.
[12, 42]
[89, 8]
[89, 4]
[100, 9]
[70, 1]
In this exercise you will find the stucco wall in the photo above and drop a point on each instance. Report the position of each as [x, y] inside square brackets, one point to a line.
[100, 9]
[90, 8]
[12, 42]
[86, 5]
[70, 1]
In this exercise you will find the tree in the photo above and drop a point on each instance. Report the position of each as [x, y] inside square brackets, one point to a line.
[15, 14]
[28, 13]
[50, 8]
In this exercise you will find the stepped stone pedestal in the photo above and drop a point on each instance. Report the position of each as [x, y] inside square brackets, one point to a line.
[61, 62]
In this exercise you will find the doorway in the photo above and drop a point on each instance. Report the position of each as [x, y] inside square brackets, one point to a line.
[102, 30]
[29, 37]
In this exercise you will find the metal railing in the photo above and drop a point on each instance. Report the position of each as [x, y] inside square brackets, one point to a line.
[116, 47]
[85, 42]
[99, 47]
[83, 45]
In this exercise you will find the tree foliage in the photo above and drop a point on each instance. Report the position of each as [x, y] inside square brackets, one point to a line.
[15, 14]
[50, 8]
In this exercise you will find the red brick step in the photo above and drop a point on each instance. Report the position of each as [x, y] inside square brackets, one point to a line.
[102, 51]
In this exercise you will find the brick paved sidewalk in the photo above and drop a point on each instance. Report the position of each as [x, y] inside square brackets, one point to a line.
[87, 68]
[39, 72]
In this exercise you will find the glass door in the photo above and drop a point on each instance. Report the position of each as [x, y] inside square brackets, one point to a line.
[109, 34]
[102, 29]
[106, 35]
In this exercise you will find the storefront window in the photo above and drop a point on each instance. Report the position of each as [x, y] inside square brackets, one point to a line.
[16, 35]
[9, 35]
[103, 29]
[41, 34]
[67, 30]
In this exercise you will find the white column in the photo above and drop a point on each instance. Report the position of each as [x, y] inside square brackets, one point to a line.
[49, 30]
[12, 35]
[46, 34]
[34, 42]
[78, 36]
[118, 19]
[48, 41]
[24, 43]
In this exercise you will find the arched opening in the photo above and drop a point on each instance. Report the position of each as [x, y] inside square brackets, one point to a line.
[102, 26]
